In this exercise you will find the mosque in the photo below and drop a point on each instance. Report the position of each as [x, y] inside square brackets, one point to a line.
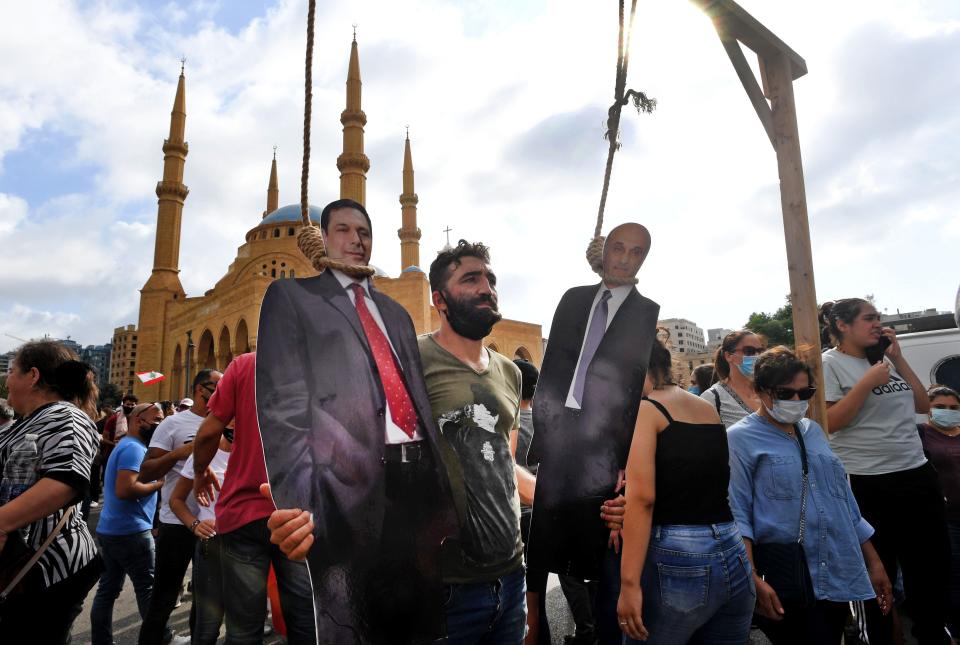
[177, 335]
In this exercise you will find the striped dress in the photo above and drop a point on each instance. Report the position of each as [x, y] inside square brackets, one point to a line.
[67, 441]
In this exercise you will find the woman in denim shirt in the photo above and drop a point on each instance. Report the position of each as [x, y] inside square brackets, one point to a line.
[765, 489]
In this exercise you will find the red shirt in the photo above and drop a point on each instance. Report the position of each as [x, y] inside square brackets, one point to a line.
[240, 501]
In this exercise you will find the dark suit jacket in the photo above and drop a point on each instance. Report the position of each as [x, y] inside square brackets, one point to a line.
[581, 452]
[321, 409]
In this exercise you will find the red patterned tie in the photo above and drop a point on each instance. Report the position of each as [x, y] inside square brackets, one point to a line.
[401, 407]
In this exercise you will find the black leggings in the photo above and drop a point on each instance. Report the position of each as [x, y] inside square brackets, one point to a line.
[906, 509]
[47, 616]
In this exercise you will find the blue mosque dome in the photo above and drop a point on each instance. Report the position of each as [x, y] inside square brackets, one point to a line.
[290, 214]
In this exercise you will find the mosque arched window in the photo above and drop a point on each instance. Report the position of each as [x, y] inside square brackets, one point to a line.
[263, 235]
[292, 274]
[276, 232]
[290, 231]
[283, 274]
[273, 273]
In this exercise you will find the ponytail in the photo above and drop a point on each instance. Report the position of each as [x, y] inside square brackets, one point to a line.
[845, 310]
[721, 368]
[61, 372]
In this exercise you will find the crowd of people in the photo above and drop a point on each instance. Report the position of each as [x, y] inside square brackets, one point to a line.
[721, 506]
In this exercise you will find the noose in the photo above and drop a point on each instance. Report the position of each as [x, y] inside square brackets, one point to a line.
[310, 239]
[621, 96]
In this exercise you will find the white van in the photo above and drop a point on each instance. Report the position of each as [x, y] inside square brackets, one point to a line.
[934, 356]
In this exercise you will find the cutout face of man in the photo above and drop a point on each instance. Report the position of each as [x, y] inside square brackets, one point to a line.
[348, 238]
[624, 252]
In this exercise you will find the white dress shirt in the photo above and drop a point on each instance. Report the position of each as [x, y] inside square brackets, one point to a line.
[617, 296]
[394, 433]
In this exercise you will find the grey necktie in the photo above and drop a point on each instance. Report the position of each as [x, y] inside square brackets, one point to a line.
[598, 325]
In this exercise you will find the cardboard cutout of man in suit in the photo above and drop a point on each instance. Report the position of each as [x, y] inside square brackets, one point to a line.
[584, 411]
[349, 437]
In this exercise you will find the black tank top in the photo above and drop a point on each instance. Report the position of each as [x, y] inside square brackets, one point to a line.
[693, 473]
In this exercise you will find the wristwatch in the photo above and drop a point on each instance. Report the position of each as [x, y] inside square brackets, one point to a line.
[193, 527]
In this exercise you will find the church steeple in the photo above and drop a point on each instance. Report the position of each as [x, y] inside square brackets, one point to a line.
[409, 232]
[273, 189]
[353, 164]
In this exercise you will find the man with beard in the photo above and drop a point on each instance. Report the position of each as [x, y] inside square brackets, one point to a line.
[475, 396]
[584, 412]
[351, 447]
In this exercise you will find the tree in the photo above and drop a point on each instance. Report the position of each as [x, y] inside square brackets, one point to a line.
[776, 327]
[110, 395]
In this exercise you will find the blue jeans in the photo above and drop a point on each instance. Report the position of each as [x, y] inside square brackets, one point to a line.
[697, 586]
[207, 592]
[246, 555]
[123, 555]
[487, 612]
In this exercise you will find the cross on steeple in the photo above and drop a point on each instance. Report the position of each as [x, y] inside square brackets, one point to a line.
[447, 231]
[183, 63]
[354, 32]
[274, 153]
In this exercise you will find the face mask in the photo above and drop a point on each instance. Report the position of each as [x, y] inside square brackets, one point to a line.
[943, 418]
[788, 411]
[147, 433]
[127, 410]
[468, 319]
[746, 366]
[694, 389]
[228, 434]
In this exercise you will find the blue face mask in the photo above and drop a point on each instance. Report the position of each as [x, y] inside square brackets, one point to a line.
[694, 389]
[746, 366]
[943, 418]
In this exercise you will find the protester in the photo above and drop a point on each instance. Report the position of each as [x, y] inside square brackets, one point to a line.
[169, 448]
[242, 512]
[208, 587]
[124, 529]
[168, 409]
[684, 576]
[47, 459]
[701, 378]
[775, 502]
[941, 445]
[537, 631]
[114, 428]
[475, 397]
[185, 404]
[6, 415]
[733, 394]
[348, 434]
[872, 397]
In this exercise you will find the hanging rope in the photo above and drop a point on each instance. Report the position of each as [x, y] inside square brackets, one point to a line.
[310, 239]
[621, 97]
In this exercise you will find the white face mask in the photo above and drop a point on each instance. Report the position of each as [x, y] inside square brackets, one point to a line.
[788, 411]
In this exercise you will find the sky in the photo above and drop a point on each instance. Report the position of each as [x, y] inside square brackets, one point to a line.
[506, 103]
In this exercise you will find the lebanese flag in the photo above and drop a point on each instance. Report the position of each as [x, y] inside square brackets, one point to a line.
[149, 378]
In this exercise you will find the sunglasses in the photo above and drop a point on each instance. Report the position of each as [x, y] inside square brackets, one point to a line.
[750, 351]
[787, 393]
[209, 387]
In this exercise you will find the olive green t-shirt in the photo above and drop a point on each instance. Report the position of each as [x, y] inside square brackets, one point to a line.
[475, 413]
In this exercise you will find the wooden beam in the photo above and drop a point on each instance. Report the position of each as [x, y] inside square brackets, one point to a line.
[732, 21]
[796, 228]
[749, 82]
